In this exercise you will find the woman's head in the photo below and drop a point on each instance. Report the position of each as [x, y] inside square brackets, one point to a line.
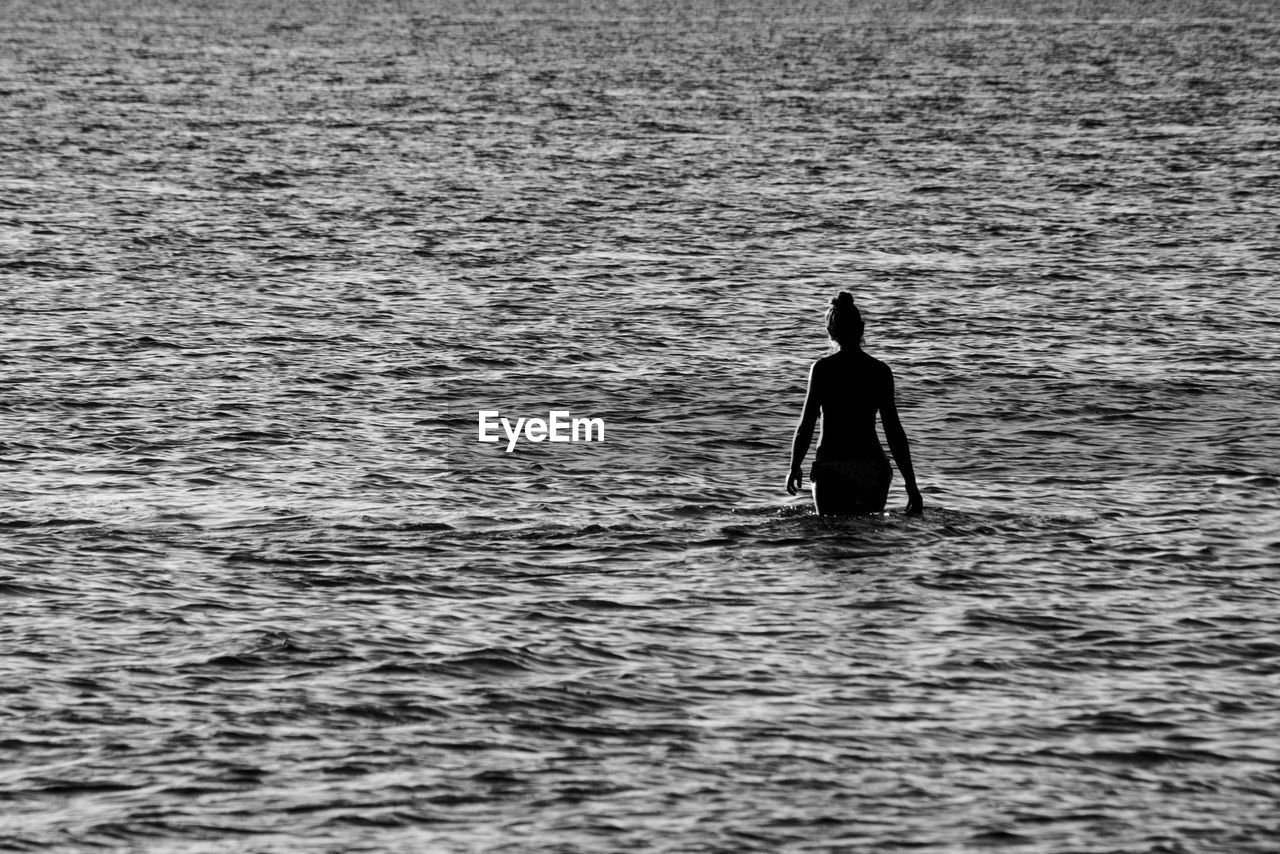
[844, 321]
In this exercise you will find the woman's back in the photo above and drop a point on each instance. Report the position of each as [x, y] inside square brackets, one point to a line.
[846, 389]
[851, 388]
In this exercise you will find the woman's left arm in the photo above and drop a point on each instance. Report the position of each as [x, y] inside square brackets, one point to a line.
[804, 433]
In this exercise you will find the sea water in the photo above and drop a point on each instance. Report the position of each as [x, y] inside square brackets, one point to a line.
[263, 264]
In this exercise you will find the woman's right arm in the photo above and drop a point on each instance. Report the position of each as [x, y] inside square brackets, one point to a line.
[901, 448]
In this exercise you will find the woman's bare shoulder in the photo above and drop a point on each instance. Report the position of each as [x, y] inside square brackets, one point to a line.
[878, 366]
[825, 364]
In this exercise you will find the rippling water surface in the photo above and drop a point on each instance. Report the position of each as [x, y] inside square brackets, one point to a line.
[261, 264]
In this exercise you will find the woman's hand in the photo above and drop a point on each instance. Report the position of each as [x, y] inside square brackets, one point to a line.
[794, 480]
[915, 502]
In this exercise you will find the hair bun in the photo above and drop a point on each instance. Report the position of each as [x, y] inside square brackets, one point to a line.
[844, 321]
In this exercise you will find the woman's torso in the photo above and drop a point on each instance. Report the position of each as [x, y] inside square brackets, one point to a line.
[851, 387]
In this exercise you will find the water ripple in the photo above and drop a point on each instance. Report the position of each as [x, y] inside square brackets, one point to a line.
[263, 590]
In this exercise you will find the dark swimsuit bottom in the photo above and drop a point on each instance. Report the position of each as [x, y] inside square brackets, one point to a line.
[865, 481]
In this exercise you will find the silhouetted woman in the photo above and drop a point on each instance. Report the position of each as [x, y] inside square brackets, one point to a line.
[850, 472]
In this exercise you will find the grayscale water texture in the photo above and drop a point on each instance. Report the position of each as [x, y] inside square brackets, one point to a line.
[262, 263]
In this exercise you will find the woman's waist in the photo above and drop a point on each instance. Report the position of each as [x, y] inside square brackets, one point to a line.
[864, 451]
